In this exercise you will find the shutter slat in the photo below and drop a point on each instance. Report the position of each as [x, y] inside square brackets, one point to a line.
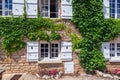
[106, 8]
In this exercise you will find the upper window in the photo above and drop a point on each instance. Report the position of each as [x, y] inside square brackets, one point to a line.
[115, 8]
[49, 8]
[5, 7]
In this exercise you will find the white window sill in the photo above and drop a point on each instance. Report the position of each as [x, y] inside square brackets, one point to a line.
[47, 61]
[115, 59]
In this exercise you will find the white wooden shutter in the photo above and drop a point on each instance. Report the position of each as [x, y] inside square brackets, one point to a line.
[68, 67]
[106, 8]
[106, 50]
[32, 9]
[18, 6]
[32, 51]
[66, 50]
[66, 9]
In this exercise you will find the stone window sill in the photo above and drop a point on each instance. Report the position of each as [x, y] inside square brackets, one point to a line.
[49, 61]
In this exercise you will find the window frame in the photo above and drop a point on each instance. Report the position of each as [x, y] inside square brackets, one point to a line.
[4, 10]
[49, 51]
[115, 9]
[115, 51]
[58, 50]
[49, 12]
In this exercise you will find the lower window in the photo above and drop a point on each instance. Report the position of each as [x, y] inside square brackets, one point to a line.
[49, 51]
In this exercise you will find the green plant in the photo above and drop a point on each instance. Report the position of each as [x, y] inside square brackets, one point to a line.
[42, 35]
[89, 19]
[92, 60]
[55, 36]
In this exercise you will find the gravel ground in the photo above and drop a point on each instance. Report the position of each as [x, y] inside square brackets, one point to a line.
[28, 76]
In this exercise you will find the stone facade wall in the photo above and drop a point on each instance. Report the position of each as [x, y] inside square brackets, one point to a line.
[78, 69]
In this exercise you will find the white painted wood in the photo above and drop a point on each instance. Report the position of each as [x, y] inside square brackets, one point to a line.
[31, 1]
[32, 47]
[66, 9]
[69, 2]
[66, 56]
[66, 48]
[106, 8]
[18, 1]
[32, 51]
[32, 8]
[66, 51]
[32, 57]
[106, 50]
[68, 67]
[18, 6]
[66, 43]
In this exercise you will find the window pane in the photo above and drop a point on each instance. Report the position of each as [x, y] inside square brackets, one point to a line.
[0, 7]
[6, 13]
[118, 45]
[6, 7]
[118, 1]
[42, 45]
[118, 5]
[0, 12]
[10, 1]
[6, 1]
[112, 0]
[112, 54]
[118, 54]
[10, 7]
[0, 1]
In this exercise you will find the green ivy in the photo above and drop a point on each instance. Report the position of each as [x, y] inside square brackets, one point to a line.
[89, 19]
[14, 30]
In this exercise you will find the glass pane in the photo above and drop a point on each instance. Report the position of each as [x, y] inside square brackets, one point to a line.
[56, 55]
[42, 50]
[112, 0]
[6, 1]
[46, 50]
[6, 7]
[0, 12]
[42, 45]
[46, 54]
[118, 5]
[0, 7]
[112, 54]
[10, 1]
[118, 45]
[118, 54]
[44, 2]
[118, 1]
[6, 12]
[52, 45]
[46, 45]
[112, 5]
[10, 7]
[56, 45]
[0, 1]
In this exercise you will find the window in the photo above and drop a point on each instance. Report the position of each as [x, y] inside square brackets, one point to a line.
[49, 51]
[114, 49]
[49, 8]
[44, 50]
[5, 7]
[115, 8]
[54, 50]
